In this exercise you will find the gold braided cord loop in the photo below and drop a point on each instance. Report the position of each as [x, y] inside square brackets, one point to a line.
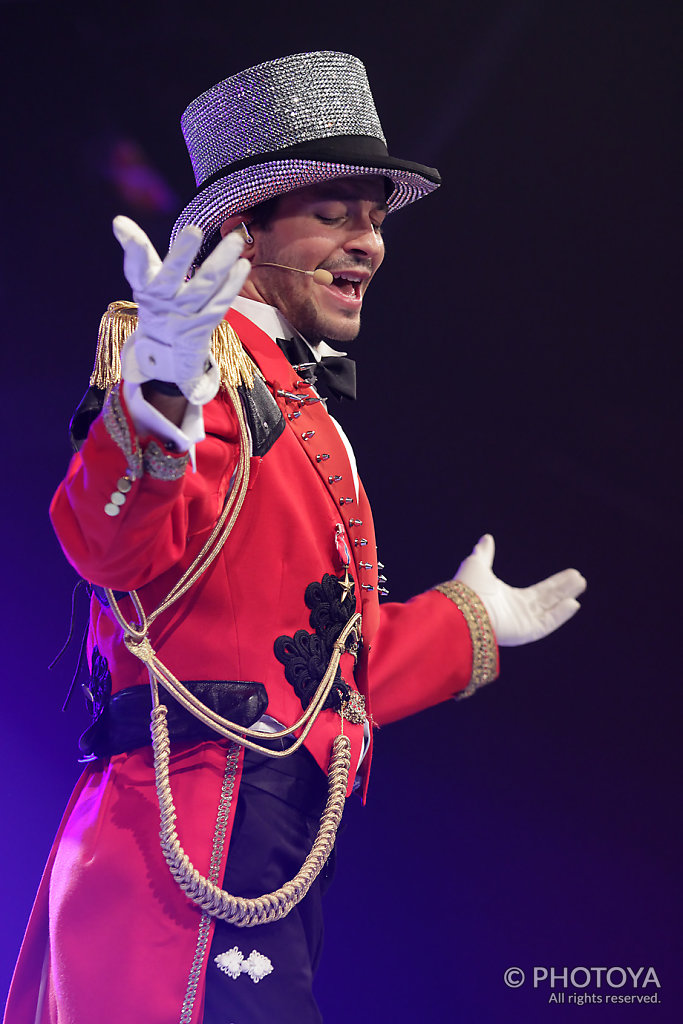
[211, 898]
[208, 553]
[138, 644]
[120, 320]
[245, 913]
[237, 910]
[137, 640]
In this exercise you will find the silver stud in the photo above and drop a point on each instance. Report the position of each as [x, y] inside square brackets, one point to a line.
[334, 479]
[289, 396]
[346, 501]
[365, 565]
[355, 522]
[381, 579]
[360, 542]
[380, 565]
[383, 591]
[366, 586]
[322, 457]
[308, 434]
[293, 415]
[111, 510]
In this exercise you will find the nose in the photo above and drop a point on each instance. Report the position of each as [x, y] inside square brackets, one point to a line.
[366, 241]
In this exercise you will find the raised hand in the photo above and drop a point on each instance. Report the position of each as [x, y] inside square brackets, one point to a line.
[176, 317]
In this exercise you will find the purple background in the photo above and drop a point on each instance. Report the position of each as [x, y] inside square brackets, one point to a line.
[517, 375]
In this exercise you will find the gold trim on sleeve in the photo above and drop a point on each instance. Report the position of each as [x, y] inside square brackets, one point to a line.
[484, 652]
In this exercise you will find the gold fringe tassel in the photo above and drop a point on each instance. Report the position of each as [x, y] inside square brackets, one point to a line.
[235, 366]
[119, 322]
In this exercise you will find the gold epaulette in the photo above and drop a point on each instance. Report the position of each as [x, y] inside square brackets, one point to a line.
[120, 320]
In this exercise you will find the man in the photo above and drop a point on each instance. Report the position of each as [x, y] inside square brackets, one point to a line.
[216, 509]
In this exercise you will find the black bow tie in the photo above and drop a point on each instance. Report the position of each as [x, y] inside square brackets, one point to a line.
[337, 374]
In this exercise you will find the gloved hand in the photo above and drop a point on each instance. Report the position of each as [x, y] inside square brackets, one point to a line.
[520, 615]
[176, 318]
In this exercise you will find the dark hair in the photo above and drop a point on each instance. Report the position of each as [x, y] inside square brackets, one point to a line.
[260, 215]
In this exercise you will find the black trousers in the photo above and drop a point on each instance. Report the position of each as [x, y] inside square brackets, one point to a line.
[276, 820]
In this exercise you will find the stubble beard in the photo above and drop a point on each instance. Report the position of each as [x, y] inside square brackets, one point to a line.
[303, 314]
[316, 327]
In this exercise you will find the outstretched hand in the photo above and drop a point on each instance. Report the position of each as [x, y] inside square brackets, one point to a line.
[520, 614]
[176, 317]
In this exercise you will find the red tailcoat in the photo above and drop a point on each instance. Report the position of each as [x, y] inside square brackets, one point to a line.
[122, 935]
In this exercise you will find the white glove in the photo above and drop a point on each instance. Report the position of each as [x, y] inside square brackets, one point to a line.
[176, 318]
[520, 615]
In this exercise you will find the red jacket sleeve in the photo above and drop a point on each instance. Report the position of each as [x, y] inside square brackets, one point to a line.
[428, 650]
[163, 504]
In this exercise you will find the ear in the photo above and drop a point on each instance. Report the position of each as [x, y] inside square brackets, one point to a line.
[234, 222]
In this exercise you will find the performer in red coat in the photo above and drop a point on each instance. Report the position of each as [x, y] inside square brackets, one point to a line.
[216, 509]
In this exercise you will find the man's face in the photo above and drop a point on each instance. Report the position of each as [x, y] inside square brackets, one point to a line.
[336, 226]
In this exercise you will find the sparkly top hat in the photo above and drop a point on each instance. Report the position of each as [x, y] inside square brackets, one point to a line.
[283, 125]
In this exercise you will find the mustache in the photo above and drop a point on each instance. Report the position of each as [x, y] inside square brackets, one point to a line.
[353, 263]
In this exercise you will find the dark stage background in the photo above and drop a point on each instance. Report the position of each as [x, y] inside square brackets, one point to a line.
[517, 375]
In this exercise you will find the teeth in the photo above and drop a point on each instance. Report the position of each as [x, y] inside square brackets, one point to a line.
[348, 277]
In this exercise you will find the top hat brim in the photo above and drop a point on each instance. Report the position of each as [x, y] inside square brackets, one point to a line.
[252, 182]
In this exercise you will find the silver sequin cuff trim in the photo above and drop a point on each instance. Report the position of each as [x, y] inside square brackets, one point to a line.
[161, 465]
[117, 427]
[484, 651]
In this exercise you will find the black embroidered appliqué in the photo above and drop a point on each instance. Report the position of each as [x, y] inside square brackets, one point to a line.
[305, 656]
[97, 693]
[99, 689]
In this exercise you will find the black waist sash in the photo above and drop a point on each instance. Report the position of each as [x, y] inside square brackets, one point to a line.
[124, 723]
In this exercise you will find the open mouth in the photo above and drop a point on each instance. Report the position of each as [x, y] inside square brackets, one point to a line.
[347, 284]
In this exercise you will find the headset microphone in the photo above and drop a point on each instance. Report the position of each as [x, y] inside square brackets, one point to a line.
[319, 276]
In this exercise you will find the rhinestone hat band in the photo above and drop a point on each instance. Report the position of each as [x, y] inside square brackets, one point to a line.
[240, 132]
